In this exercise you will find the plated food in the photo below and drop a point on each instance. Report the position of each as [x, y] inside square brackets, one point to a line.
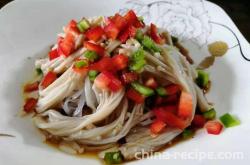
[116, 86]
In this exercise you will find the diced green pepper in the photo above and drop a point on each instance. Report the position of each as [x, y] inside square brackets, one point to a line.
[91, 55]
[138, 55]
[137, 60]
[187, 133]
[210, 114]
[137, 66]
[113, 157]
[229, 120]
[161, 91]
[81, 63]
[92, 75]
[83, 25]
[139, 35]
[202, 79]
[39, 71]
[148, 43]
[142, 89]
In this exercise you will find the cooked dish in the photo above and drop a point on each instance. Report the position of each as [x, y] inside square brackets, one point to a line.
[116, 86]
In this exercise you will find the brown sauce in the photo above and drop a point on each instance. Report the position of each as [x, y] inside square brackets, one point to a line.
[94, 154]
[86, 154]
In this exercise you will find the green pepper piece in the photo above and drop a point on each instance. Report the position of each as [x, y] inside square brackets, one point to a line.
[83, 25]
[210, 114]
[81, 63]
[187, 133]
[202, 79]
[137, 60]
[142, 89]
[229, 120]
[91, 55]
[138, 55]
[148, 43]
[113, 157]
[137, 66]
[92, 75]
[161, 91]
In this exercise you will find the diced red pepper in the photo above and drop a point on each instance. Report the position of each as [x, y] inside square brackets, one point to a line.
[139, 24]
[154, 35]
[214, 127]
[30, 105]
[105, 64]
[66, 45]
[129, 77]
[157, 126]
[132, 19]
[119, 21]
[31, 87]
[59, 42]
[185, 108]
[198, 121]
[72, 28]
[94, 47]
[135, 96]
[71, 24]
[95, 33]
[170, 118]
[106, 80]
[102, 81]
[130, 31]
[120, 61]
[53, 54]
[151, 83]
[115, 84]
[173, 89]
[48, 79]
[124, 36]
[111, 30]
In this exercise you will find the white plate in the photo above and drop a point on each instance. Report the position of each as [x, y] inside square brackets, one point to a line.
[28, 27]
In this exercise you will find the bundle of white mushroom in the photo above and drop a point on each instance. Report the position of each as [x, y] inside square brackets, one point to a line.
[110, 86]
